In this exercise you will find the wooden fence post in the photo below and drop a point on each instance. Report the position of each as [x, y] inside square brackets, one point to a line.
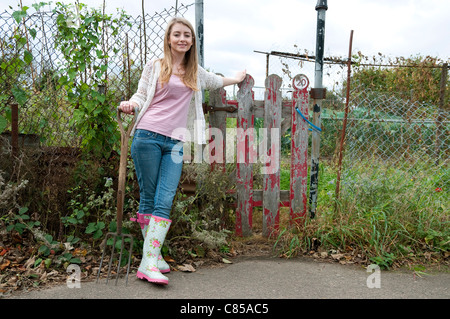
[244, 169]
[271, 180]
[299, 150]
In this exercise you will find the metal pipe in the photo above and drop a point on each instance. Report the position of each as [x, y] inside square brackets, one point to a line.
[336, 60]
[321, 8]
[145, 33]
[198, 153]
[199, 32]
[441, 114]
[318, 95]
[344, 125]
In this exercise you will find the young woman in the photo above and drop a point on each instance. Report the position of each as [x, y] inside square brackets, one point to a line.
[169, 100]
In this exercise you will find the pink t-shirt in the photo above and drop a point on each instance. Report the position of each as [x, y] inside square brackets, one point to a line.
[167, 114]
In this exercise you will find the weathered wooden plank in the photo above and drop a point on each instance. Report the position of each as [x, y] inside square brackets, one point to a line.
[258, 109]
[258, 198]
[271, 163]
[299, 150]
[244, 168]
[217, 128]
[279, 115]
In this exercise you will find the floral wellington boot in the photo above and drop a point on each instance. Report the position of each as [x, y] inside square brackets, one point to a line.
[143, 220]
[156, 233]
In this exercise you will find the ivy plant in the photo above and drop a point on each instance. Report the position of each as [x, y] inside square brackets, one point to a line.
[15, 61]
[83, 73]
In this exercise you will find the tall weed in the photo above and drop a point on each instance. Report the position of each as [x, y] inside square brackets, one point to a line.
[387, 223]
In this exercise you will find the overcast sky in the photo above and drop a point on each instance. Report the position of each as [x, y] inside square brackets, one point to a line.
[235, 28]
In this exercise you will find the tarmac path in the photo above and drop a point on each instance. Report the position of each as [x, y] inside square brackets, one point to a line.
[264, 278]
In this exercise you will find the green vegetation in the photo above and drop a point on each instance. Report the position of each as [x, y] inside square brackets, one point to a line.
[383, 222]
[57, 210]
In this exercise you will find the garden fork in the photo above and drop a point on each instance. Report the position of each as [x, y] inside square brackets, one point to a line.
[118, 235]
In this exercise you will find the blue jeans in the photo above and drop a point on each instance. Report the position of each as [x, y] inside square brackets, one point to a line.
[158, 160]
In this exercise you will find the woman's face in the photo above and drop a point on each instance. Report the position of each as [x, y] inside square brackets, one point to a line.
[180, 39]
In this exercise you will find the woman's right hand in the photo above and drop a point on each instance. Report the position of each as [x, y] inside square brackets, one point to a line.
[127, 107]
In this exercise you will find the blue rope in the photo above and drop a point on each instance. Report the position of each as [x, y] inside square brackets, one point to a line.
[306, 120]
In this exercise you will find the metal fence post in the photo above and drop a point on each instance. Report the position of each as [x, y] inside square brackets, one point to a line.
[200, 50]
[318, 94]
[199, 26]
[344, 124]
[441, 113]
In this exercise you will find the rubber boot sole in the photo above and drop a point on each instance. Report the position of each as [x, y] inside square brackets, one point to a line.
[155, 281]
[164, 271]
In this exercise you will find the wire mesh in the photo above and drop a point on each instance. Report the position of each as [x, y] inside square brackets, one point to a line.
[48, 143]
[44, 111]
[389, 134]
[385, 130]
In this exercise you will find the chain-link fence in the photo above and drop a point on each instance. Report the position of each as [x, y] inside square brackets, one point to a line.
[386, 132]
[397, 134]
[394, 135]
[138, 40]
[40, 142]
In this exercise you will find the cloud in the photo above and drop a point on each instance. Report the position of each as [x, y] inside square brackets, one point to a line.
[397, 28]
[235, 28]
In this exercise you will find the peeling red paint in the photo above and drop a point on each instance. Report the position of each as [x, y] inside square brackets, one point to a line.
[271, 180]
[299, 150]
[223, 95]
[270, 197]
[244, 173]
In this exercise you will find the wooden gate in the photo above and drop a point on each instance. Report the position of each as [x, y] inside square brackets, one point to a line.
[278, 116]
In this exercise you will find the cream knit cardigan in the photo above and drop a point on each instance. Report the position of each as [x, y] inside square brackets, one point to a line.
[195, 121]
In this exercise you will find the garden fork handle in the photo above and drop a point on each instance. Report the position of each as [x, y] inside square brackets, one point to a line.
[124, 138]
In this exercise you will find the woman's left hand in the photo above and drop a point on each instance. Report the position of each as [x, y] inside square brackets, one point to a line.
[240, 76]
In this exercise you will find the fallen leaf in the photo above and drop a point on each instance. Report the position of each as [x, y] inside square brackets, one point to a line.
[337, 256]
[169, 259]
[186, 268]
[52, 273]
[226, 261]
[16, 237]
[232, 252]
[200, 251]
[68, 246]
[43, 276]
[348, 258]
[79, 252]
[29, 263]
[5, 265]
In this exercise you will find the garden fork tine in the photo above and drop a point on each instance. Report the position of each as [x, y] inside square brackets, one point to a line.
[124, 138]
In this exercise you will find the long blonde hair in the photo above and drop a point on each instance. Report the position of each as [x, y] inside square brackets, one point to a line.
[190, 59]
